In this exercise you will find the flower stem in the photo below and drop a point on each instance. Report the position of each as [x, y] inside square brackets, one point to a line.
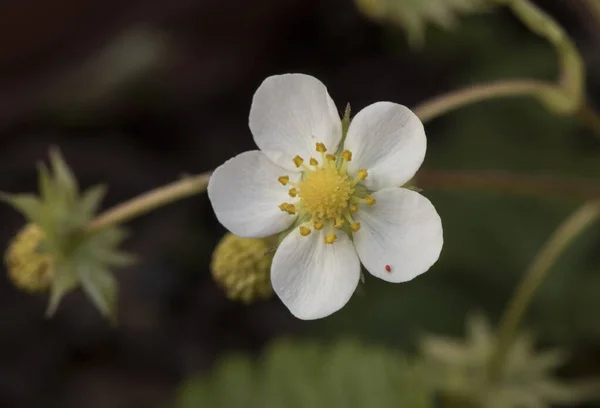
[566, 233]
[456, 99]
[150, 200]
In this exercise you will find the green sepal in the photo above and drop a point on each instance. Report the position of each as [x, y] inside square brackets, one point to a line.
[65, 281]
[101, 287]
[27, 204]
[346, 122]
[80, 258]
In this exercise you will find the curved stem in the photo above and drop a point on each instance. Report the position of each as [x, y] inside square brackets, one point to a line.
[566, 233]
[521, 184]
[150, 200]
[456, 99]
[590, 117]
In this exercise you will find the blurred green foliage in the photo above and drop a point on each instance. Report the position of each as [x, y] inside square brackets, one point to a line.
[415, 15]
[293, 374]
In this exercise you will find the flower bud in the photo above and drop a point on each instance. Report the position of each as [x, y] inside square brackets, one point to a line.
[241, 266]
[28, 268]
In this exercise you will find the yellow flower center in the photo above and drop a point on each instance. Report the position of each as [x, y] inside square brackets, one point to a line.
[326, 196]
[325, 193]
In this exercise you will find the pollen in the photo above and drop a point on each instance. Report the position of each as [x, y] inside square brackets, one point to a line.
[284, 180]
[325, 193]
[362, 174]
[370, 200]
[318, 225]
[355, 226]
[353, 208]
[298, 161]
[304, 231]
[339, 223]
[330, 157]
[291, 209]
[293, 192]
[330, 238]
[313, 162]
[347, 155]
[321, 148]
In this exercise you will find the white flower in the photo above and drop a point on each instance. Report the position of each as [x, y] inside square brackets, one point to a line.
[344, 203]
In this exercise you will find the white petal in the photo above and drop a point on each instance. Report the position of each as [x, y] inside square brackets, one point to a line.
[312, 278]
[290, 113]
[402, 230]
[245, 194]
[389, 141]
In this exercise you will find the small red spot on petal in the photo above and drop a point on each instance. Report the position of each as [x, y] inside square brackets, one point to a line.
[388, 268]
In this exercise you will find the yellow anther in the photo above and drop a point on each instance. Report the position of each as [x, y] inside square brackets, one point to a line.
[293, 192]
[330, 157]
[313, 162]
[283, 206]
[353, 208]
[291, 209]
[318, 225]
[370, 200]
[304, 231]
[339, 223]
[321, 148]
[362, 174]
[330, 238]
[355, 226]
[298, 161]
[347, 155]
[284, 180]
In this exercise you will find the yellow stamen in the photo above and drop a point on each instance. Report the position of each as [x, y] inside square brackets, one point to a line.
[347, 155]
[330, 157]
[314, 162]
[330, 238]
[284, 180]
[321, 148]
[291, 209]
[304, 231]
[293, 192]
[370, 200]
[318, 225]
[298, 161]
[339, 223]
[283, 206]
[362, 174]
[353, 208]
[355, 226]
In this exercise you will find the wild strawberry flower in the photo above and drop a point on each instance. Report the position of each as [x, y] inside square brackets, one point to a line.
[341, 205]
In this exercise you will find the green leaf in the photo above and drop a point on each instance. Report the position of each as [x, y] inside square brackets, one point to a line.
[65, 280]
[100, 286]
[65, 180]
[344, 374]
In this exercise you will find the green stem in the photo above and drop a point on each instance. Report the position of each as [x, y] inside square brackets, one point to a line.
[442, 104]
[149, 201]
[566, 233]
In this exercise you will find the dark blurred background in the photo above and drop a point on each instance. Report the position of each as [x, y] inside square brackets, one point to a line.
[136, 93]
